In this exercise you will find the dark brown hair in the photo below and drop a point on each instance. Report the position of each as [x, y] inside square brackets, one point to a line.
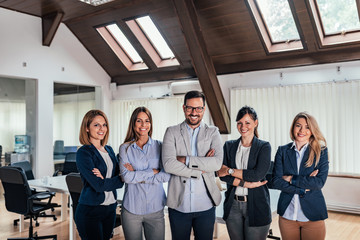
[131, 135]
[194, 94]
[248, 110]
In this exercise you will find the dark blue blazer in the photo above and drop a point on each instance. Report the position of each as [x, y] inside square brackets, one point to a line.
[312, 202]
[258, 165]
[88, 158]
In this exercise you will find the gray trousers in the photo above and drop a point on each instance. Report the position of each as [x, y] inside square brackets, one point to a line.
[133, 225]
[238, 227]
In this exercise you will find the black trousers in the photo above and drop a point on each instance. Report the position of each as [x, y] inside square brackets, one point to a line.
[201, 222]
[95, 222]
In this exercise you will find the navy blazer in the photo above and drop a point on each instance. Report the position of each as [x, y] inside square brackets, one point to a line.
[88, 158]
[258, 165]
[312, 202]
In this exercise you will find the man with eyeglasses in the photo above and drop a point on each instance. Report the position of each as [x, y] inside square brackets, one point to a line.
[192, 152]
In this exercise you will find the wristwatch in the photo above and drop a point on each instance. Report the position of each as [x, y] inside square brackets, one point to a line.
[231, 171]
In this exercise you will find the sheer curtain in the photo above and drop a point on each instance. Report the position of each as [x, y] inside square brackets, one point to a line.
[336, 107]
[13, 122]
[165, 112]
[67, 120]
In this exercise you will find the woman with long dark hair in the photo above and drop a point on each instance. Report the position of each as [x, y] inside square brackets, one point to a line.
[140, 167]
[246, 161]
[300, 171]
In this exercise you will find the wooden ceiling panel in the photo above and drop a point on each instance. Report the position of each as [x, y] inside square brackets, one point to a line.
[230, 36]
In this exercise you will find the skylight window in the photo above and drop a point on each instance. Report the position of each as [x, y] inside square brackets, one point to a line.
[338, 16]
[124, 42]
[278, 19]
[276, 24]
[155, 37]
[122, 47]
[152, 41]
[337, 21]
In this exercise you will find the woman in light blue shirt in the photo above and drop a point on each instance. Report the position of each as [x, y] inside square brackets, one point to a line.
[141, 170]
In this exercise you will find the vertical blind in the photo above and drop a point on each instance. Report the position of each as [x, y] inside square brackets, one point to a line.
[335, 106]
[165, 112]
[13, 119]
[67, 120]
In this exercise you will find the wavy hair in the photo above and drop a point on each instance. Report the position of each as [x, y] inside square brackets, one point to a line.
[317, 140]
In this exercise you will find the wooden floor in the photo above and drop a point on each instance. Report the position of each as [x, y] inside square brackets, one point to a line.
[339, 226]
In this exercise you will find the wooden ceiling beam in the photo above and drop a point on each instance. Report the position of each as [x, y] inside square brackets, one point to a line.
[50, 24]
[149, 76]
[309, 34]
[137, 45]
[203, 64]
[321, 57]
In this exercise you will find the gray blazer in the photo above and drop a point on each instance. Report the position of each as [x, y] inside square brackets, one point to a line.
[177, 143]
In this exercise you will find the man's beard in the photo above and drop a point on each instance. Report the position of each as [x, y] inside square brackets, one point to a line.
[188, 120]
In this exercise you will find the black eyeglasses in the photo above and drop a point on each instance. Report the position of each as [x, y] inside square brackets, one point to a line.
[197, 109]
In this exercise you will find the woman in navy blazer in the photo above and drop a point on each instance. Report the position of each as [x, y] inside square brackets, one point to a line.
[300, 172]
[246, 161]
[96, 212]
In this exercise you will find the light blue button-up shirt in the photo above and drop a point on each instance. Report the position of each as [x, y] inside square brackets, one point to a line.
[144, 192]
[196, 198]
[294, 211]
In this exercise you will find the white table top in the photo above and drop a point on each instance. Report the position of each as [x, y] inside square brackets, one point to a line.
[55, 184]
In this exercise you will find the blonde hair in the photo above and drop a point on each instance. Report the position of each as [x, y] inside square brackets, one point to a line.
[131, 135]
[317, 141]
[84, 136]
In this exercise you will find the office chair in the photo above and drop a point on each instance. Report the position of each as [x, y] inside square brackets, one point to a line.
[69, 165]
[19, 199]
[75, 185]
[26, 167]
[0, 154]
[269, 184]
[59, 149]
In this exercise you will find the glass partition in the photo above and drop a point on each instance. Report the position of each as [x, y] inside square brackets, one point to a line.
[71, 102]
[18, 119]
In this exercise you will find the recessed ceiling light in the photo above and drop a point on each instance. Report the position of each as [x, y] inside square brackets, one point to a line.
[96, 2]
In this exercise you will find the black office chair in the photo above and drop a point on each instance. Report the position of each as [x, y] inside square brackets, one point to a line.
[19, 199]
[269, 184]
[59, 149]
[69, 165]
[75, 185]
[26, 167]
[0, 154]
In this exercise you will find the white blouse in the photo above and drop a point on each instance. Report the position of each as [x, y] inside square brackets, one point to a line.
[241, 160]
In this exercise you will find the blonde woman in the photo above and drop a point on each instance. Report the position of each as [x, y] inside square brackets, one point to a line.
[300, 171]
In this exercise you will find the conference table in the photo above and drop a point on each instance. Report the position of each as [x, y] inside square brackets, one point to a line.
[58, 184]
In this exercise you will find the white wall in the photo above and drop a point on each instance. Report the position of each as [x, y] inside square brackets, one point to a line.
[21, 41]
[265, 78]
[342, 194]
